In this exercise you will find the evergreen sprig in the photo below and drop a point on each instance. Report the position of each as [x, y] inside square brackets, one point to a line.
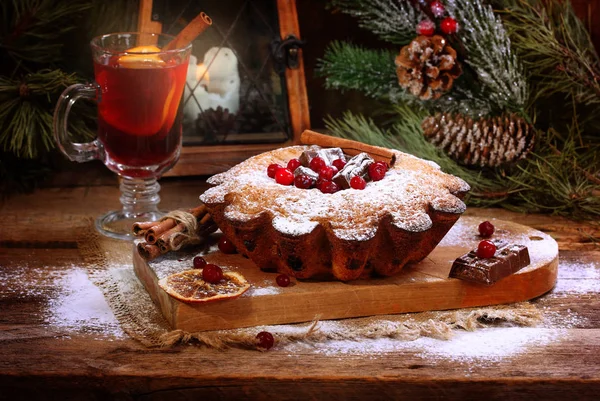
[489, 52]
[392, 20]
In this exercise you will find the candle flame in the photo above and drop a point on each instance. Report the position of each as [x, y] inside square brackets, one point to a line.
[202, 73]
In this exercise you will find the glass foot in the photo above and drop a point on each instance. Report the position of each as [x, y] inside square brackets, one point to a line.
[118, 225]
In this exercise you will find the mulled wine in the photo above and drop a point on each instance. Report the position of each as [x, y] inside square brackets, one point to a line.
[138, 113]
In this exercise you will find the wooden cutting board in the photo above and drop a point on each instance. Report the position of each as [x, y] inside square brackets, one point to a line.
[421, 287]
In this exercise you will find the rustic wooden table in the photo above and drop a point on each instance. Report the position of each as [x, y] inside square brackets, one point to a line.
[59, 339]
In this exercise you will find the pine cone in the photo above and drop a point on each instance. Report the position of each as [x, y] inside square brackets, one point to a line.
[427, 67]
[215, 124]
[487, 142]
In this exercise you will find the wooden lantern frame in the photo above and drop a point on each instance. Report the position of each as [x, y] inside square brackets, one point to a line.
[211, 159]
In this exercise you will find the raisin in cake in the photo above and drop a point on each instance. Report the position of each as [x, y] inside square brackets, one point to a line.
[397, 218]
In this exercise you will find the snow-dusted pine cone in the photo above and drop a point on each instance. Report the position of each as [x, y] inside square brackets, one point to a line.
[427, 67]
[487, 142]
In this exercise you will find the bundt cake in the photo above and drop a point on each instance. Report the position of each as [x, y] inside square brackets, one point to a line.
[321, 223]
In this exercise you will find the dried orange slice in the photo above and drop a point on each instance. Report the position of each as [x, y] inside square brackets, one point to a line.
[188, 286]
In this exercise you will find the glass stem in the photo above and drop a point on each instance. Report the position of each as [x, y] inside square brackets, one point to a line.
[139, 196]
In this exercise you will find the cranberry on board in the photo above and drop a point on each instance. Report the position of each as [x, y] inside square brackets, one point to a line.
[212, 273]
[284, 176]
[226, 246]
[199, 262]
[486, 229]
[283, 280]
[486, 249]
[265, 340]
[272, 169]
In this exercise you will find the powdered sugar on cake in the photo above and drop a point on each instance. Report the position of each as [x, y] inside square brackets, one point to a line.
[409, 190]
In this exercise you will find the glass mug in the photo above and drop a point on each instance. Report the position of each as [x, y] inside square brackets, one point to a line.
[138, 88]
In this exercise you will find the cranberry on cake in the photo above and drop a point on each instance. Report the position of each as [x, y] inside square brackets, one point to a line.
[334, 216]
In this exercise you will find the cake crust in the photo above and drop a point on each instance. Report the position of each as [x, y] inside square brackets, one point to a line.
[346, 235]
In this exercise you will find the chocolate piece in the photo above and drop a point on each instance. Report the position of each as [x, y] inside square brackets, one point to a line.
[327, 154]
[358, 165]
[509, 259]
[306, 171]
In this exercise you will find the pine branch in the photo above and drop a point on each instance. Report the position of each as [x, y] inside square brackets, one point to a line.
[394, 21]
[556, 49]
[489, 53]
[26, 108]
[346, 66]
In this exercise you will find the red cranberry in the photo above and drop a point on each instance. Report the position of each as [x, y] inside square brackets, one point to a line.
[293, 164]
[212, 273]
[486, 229]
[449, 25]
[272, 169]
[329, 187]
[357, 182]
[283, 280]
[327, 172]
[377, 171]
[199, 262]
[303, 181]
[339, 164]
[316, 164]
[226, 246]
[265, 340]
[425, 28]
[284, 176]
[486, 249]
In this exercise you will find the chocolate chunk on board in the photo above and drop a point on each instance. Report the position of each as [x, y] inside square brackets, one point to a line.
[508, 259]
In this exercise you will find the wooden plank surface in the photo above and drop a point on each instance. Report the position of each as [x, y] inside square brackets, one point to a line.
[58, 339]
[421, 287]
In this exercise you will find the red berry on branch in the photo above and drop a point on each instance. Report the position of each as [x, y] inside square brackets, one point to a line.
[486, 229]
[272, 169]
[327, 172]
[265, 340]
[437, 8]
[449, 25]
[199, 262]
[293, 164]
[486, 249]
[316, 164]
[212, 273]
[226, 246]
[284, 176]
[339, 164]
[303, 181]
[357, 182]
[283, 280]
[426, 28]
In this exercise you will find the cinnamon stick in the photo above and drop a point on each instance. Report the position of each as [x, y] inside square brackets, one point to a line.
[156, 231]
[141, 227]
[190, 32]
[148, 251]
[349, 147]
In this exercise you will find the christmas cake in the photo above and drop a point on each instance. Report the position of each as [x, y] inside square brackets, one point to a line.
[319, 213]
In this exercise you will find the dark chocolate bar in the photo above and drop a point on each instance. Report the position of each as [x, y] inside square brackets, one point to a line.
[509, 259]
[358, 165]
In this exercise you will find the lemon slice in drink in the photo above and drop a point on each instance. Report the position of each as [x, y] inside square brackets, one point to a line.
[188, 286]
[139, 58]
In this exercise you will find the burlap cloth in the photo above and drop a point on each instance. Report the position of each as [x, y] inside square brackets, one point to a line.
[110, 267]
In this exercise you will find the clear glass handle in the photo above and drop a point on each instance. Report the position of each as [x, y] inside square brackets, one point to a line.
[79, 152]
